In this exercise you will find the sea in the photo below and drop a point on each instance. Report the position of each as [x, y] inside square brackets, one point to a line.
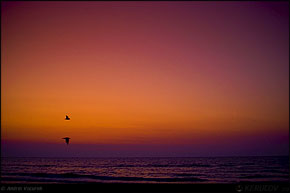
[190, 170]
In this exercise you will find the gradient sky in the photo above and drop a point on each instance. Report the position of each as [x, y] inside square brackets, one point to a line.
[145, 78]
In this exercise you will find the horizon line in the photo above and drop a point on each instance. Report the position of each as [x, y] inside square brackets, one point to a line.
[227, 156]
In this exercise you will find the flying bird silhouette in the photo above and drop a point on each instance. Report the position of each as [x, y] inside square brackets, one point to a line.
[66, 139]
[67, 118]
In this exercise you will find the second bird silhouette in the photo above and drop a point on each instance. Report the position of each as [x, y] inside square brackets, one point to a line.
[66, 140]
[67, 118]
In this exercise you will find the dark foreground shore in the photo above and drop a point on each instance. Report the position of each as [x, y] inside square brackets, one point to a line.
[146, 188]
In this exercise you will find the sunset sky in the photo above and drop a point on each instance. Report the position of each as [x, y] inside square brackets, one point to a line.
[144, 78]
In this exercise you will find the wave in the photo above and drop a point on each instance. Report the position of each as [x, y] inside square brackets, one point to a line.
[30, 165]
[106, 178]
[274, 171]
[186, 175]
[263, 176]
[162, 165]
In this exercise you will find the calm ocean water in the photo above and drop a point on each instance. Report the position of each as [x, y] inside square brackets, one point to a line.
[145, 170]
